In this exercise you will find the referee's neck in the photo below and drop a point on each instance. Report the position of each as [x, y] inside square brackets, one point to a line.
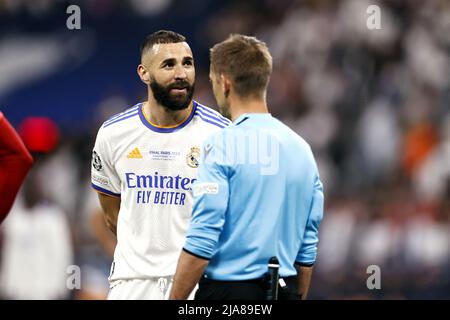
[239, 107]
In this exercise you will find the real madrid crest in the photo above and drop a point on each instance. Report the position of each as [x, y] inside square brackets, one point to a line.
[193, 157]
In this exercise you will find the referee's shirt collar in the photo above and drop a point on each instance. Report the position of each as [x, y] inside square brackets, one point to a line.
[246, 116]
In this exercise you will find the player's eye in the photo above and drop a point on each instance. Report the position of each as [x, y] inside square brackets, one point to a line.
[188, 63]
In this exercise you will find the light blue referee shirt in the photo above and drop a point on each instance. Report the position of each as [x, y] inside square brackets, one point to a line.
[258, 195]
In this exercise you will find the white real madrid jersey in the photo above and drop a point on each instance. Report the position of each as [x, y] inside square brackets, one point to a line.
[151, 169]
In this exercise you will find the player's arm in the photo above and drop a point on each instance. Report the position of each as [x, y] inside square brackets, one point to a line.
[189, 271]
[308, 251]
[211, 194]
[105, 180]
[110, 206]
[15, 162]
[100, 231]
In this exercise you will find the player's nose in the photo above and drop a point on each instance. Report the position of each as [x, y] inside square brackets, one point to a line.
[180, 73]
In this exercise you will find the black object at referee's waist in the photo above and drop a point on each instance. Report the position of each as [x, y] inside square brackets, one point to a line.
[261, 280]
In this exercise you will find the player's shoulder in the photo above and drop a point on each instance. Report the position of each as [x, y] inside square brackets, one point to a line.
[210, 116]
[121, 118]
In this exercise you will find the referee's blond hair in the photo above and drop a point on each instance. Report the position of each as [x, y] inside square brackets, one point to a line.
[246, 60]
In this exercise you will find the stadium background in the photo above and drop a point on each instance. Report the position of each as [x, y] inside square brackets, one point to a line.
[373, 104]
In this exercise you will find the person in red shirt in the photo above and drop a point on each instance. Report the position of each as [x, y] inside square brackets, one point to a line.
[15, 162]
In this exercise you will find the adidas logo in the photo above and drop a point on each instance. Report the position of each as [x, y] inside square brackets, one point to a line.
[135, 154]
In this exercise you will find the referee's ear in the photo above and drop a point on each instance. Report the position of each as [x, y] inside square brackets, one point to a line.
[226, 84]
[143, 74]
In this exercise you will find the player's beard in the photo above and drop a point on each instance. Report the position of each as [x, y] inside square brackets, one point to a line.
[163, 96]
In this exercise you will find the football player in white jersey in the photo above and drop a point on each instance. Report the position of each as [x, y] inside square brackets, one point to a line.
[143, 164]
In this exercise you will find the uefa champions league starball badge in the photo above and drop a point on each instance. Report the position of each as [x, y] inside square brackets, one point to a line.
[96, 161]
[192, 157]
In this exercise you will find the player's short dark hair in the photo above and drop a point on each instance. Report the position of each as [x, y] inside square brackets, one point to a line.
[161, 36]
[246, 60]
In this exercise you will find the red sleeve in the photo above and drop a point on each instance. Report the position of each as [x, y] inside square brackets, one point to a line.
[15, 161]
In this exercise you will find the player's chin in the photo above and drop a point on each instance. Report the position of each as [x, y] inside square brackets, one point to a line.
[179, 104]
[179, 99]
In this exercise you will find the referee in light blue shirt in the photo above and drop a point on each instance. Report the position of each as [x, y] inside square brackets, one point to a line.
[258, 193]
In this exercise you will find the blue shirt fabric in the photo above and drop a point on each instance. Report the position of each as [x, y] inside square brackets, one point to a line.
[258, 195]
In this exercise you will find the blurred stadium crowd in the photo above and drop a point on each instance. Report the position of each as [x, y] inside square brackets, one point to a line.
[373, 104]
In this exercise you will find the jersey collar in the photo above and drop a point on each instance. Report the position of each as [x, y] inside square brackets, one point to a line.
[246, 116]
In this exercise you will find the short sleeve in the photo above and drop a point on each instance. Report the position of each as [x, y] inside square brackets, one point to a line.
[104, 177]
[211, 195]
